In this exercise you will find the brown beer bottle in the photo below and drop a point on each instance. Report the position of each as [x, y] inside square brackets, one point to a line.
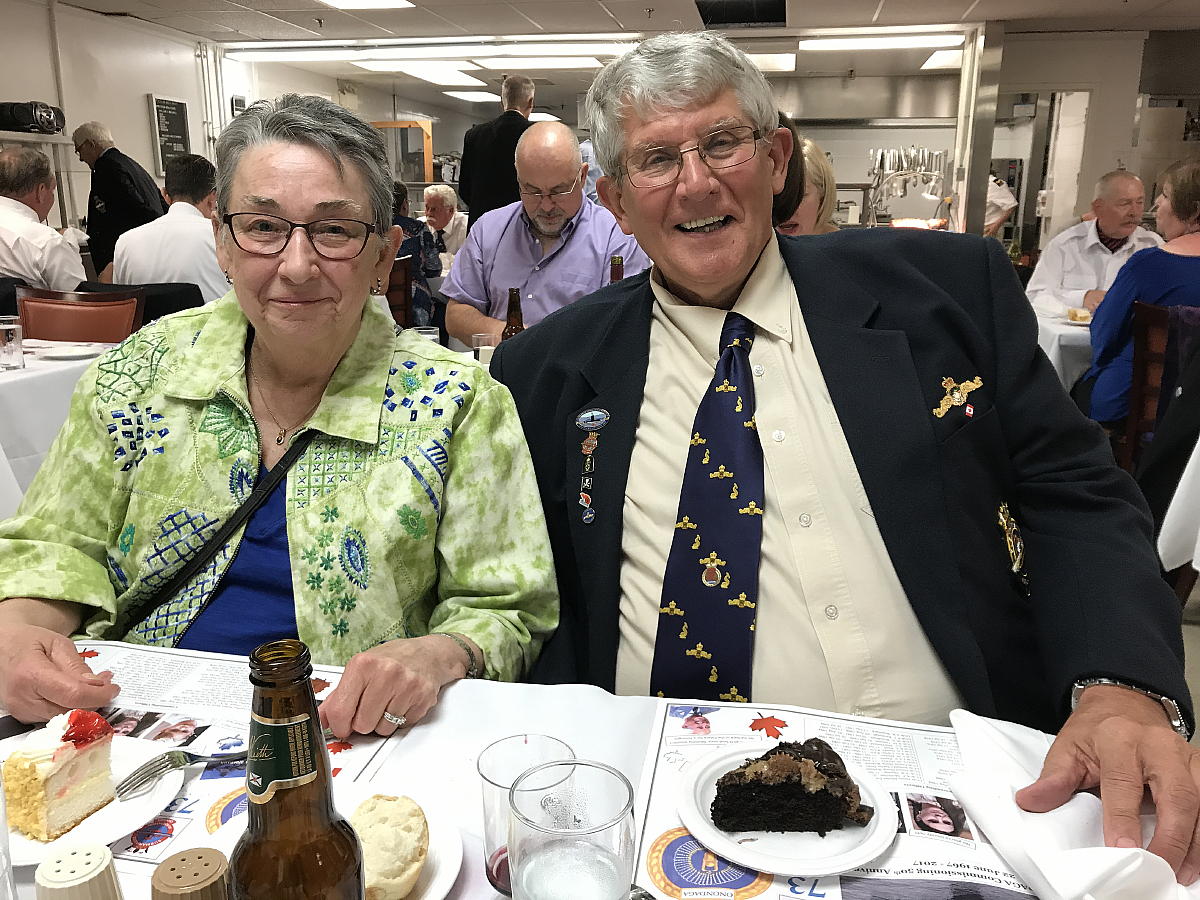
[515, 323]
[616, 268]
[296, 846]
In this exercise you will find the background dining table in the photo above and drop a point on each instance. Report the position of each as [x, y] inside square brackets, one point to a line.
[1068, 346]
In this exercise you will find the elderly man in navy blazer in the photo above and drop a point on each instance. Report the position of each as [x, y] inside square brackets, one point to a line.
[836, 470]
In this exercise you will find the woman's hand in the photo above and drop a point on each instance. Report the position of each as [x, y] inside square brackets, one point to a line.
[402, 678]
[42, 674]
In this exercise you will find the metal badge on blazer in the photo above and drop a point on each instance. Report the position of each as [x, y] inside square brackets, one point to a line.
[592, 419]
[956, 394]
[1014, 542]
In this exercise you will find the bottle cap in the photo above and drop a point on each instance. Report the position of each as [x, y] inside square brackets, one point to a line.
[82, 872]
[201, 874]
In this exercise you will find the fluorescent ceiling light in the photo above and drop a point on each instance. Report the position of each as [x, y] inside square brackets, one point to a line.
[894, 42]
[445, 73]
[541, 62]
[543, 117]
[943, 59]
[293, 55]
[476, 52]
[774, 62]
[368, 4]
[474, 96]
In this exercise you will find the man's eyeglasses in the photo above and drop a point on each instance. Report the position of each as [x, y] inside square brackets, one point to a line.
[656, 166]
[265, 235]
[553, 196]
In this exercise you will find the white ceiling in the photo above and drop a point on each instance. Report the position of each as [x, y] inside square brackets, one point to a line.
[297, 20]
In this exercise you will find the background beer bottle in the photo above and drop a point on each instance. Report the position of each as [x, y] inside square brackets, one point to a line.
[616, 268]
[515, 323]
[296, 846]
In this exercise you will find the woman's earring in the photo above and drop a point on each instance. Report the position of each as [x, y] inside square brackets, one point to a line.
[378, 286]
[227, 278]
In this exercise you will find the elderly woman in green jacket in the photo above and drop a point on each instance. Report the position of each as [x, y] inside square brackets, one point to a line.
[406, 542]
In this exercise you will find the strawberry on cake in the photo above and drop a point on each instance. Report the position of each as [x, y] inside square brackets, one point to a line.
[60, 776]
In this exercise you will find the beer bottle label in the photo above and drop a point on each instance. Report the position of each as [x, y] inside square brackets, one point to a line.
[282, 755]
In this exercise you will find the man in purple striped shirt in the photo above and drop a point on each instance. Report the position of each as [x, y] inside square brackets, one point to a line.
[554, 244]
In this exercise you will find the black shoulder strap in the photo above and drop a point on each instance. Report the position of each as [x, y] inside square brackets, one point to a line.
[258, 496]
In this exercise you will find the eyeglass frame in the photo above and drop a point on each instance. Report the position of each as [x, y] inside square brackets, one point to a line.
[227, 220]
[552, 197]
[757, 133]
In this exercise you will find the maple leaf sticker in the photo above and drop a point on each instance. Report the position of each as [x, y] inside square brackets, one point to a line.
[319, 685]
[88, 654]
[768, 725]
[339, 746]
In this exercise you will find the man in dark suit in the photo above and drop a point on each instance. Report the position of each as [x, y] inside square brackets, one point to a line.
[487, 178]
[836, 470]
[123, 195]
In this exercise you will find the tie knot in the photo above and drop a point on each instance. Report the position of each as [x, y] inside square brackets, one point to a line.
[738, 331]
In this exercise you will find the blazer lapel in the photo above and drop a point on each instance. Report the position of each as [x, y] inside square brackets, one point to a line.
[874, 385]
[616, 377]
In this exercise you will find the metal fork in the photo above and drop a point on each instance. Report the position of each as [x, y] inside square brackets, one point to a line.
[154, 769]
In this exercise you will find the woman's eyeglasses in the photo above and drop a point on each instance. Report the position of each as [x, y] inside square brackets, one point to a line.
[265, 235]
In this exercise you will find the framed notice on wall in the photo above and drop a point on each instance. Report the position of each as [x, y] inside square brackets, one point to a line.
[169, 125]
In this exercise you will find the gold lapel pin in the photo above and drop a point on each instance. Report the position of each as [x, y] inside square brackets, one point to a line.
[956, 394]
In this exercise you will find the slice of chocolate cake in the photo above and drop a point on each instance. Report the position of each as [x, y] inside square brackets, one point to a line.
[792, 787]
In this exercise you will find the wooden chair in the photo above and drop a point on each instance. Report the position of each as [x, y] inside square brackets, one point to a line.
[1151, 330]
[399, 291]
[107, 317]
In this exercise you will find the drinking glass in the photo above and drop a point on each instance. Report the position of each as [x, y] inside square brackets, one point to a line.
[429, 331]
[499, 765]
[484, 346]
[11, 356]
[8, 890]
[571, 832]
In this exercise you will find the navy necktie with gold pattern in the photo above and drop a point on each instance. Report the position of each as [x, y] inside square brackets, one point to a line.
[705, 641]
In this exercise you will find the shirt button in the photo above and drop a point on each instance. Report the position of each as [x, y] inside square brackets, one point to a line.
[805, 520]
[858, 711]
[758, 370]
[831, 611]
[783, 329]
[778, 435]
[529, 296]
[537, 268]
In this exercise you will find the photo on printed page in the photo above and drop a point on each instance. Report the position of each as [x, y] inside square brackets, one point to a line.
[177, 731]
[130, 722]
[934, 815]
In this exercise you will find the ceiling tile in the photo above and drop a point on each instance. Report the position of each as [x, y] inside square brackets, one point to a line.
[336, 24]
[186, 7]
[131, 7]
[411, 22]
[192, 25]
[821, 14]
[669, 15]
[489, 18]
[260, 25]
[273, 6]
[568, 17]
[1130, 11]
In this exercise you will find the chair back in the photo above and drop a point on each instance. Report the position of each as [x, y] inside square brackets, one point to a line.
[399, 291]
[72, 316]
[162, 298]
[1151, 328]
[8, 295]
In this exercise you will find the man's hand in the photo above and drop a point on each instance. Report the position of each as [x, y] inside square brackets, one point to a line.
[402, 677]
[1120, 741]
[42, 675]
[1092, 299]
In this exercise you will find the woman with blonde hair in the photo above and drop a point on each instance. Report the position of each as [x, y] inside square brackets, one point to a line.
[815, 201]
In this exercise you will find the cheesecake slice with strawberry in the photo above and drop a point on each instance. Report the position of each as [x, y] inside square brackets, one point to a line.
[60, 776]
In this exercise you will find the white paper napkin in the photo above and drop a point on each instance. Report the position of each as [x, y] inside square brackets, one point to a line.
[1060, 854]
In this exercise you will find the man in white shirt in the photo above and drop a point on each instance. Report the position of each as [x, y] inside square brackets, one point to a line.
[445, 221]
[29, 249]
[1080, 264]
[180, 245]
[1000, 205]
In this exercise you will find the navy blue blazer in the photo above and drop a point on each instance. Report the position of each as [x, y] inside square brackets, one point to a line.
[890, 313]
[123, 196]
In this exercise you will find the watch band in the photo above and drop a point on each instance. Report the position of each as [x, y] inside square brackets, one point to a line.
[1170, 707]
[473, 667]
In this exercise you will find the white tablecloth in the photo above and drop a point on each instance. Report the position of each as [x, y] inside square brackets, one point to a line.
[1179, 540]
[471, 715]
[33, 407]
[10, 491]
[1068, 346]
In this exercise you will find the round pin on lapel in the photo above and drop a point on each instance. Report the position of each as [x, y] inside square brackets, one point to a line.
[589, 516]
[592, 419]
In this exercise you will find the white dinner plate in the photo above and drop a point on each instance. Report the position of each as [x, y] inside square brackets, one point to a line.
[442, 862]
[72, 351]
[114, 821]
[791, 853]
[1086, 324]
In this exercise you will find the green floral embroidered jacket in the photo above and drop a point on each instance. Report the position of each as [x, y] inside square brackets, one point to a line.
[413, 510]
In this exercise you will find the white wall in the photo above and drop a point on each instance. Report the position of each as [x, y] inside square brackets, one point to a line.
[1106, 64]
[109, 66]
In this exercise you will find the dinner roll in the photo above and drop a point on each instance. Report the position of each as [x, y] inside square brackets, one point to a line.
[395, 842]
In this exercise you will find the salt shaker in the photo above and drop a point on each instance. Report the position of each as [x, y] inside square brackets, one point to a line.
[82, 872]
[201, 874]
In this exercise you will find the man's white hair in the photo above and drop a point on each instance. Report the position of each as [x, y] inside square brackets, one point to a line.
[1108, 179]
[96, 132]
[670, 72]
[443, 192]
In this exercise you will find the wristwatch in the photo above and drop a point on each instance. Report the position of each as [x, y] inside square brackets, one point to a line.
[1170, 707]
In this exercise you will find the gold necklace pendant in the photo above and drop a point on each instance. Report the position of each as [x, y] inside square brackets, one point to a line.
[279, 437]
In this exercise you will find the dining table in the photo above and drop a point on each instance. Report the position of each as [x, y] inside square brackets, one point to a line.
[34, 402]
[1179, 538]
[1068, 346]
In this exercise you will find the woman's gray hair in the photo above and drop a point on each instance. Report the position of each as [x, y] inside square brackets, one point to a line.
[671, 72]
[314, 122]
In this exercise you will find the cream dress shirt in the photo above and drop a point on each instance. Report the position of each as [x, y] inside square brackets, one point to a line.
[177, 247]
[834, 629]
[35, 252]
